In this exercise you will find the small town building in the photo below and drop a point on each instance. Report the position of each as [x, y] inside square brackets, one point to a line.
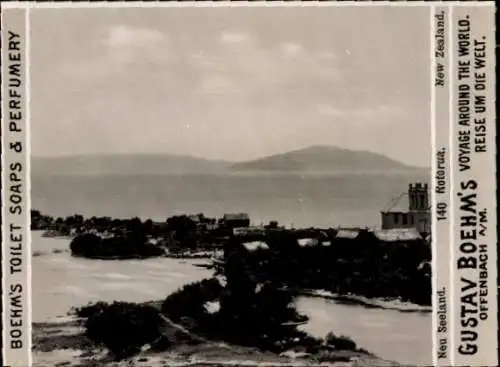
[235, 220]
[248, 231]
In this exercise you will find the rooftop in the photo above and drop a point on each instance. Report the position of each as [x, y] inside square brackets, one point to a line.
[397, 234]
[350, 233]
[236, 216]
[307, 242]
[255, 245]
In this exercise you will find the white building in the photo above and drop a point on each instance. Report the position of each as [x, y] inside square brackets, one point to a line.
[417, 216]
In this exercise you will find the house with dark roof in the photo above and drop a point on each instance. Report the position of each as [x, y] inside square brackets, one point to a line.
[235, 220]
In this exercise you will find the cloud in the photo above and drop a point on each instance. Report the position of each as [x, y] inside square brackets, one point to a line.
[374, 114]
[129, 44]
[291, 49]
[330, 111]
[118, 48]
[125, 36]
[217, 84]
[326, 55]
[234, 37]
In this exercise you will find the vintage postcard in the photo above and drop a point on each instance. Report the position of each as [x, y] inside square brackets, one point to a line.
[249, 184]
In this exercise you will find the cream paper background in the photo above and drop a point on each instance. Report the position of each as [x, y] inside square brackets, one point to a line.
[483, 171]
[440, 117]
[15, 21]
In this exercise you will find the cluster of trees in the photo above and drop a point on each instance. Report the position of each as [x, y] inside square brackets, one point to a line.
[41, 221]
[178, 223]
[77, 224]
[133, 245]
[249, 314]
[105, 237]
[363, 266]
[192, 232]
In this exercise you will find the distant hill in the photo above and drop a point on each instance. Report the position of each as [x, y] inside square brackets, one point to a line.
[312, 159]
[125, 164]
[323, 159]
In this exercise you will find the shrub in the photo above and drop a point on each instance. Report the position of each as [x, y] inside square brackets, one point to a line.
[188, 303]
[127, 246]
[122, 327]
[248, 315]
[85, 245]
[90, 309]
[256, 315]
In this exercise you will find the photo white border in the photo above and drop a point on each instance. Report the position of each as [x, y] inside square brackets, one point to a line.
[28, 181]
[236, 4]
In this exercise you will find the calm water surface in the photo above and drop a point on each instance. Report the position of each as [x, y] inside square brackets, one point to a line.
[312, 200]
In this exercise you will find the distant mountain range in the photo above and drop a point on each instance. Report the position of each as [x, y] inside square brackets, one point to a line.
[125, 164]
[312, 159]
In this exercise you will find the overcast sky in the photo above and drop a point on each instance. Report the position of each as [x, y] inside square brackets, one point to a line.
[231, 83]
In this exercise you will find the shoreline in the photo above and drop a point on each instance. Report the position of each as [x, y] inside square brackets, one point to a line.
[61, 341]
[386, 304]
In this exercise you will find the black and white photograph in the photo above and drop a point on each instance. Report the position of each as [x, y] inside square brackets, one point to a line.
[238, 186]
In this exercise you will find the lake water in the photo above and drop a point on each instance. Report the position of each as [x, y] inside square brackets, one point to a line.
[312, 200]
[61, 281]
